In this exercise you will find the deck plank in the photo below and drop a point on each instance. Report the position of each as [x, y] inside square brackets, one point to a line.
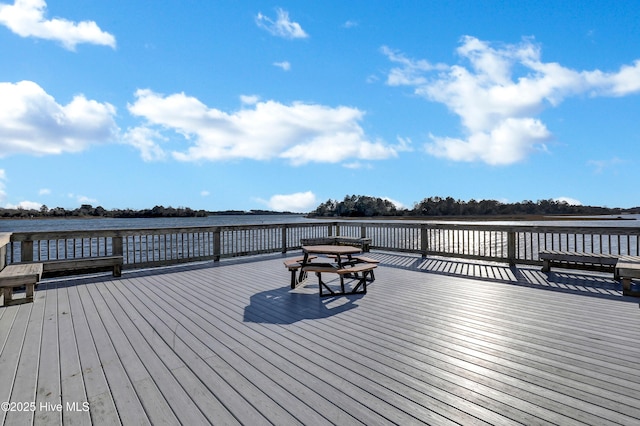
[434, 341]
[11, 350]
[125, 397]
[48, 391]
[224, 348]
[153, 401]
[72, 384]
[24, 388]
[212, 408]
[214, 373]
[159, 362]
[103, 409]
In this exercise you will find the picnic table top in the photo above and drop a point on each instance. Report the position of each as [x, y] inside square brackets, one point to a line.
[331, 249]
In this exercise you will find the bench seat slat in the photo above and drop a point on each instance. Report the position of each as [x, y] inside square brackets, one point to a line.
[12, 276]
[17, 275]
[65, 266]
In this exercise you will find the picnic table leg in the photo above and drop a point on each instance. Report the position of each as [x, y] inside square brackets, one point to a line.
[305, 259]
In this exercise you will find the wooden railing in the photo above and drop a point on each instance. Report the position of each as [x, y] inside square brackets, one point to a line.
[157, 247]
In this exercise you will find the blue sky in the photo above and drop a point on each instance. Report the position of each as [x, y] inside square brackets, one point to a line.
[222, 105]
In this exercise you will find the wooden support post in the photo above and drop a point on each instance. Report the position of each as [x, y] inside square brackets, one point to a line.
[26, 251]
[511, 247]
[424, 240]
[284, 239]
[116, 246]
[217, 248]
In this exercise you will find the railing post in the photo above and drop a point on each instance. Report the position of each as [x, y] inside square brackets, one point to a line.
[511, 247]
[363, 231]
[26, 251]
[284, 239]
[116, 245]
[424, 240]
[216, 245]
[337, 229]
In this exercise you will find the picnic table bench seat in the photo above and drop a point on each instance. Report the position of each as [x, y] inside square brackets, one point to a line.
[357, 259]
[15, 275]
[361, 272]
[293, 265]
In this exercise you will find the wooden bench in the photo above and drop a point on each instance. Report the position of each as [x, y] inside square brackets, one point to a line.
[59, 267]
[293, 265]
[578, 260]
[627, 270]
[13, 276]
[366, 269]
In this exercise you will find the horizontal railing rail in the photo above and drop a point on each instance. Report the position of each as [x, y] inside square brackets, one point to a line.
[142, 248]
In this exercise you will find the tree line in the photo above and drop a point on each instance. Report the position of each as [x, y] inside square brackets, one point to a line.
[87, 211]
[365, 206]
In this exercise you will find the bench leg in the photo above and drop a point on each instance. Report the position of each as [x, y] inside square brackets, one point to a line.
[29, 292]
[546, 267]
[8, 295]
[626, 286]
[117, 270]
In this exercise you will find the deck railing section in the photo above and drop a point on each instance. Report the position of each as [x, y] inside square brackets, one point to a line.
[157, 247]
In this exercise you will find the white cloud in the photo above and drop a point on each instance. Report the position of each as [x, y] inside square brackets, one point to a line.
[82, 199]
[249, 99]
[26, 205]
[600, 166]
[285, 65]
[32, 122]
[568, 200]
[282, 26]
[205, 193]
[144, 140]
[508, 142]
[350, 24]
[44, 191]
[355, 165]
[398, 204]
[498, 95]
[299, 132]
[26, 18]
[299, 202]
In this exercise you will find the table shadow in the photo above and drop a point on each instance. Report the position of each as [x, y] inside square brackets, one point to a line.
[285, 306]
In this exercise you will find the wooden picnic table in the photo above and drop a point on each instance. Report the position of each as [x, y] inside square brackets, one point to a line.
[342, 254]
[343, 263]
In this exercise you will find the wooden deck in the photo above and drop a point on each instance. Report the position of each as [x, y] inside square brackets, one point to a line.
[433, 341]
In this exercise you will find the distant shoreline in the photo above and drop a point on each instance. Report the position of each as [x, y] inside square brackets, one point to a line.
[487, 218]
[477, 218]
[91, 217]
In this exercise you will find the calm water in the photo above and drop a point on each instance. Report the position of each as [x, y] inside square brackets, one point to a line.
[27, 225]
